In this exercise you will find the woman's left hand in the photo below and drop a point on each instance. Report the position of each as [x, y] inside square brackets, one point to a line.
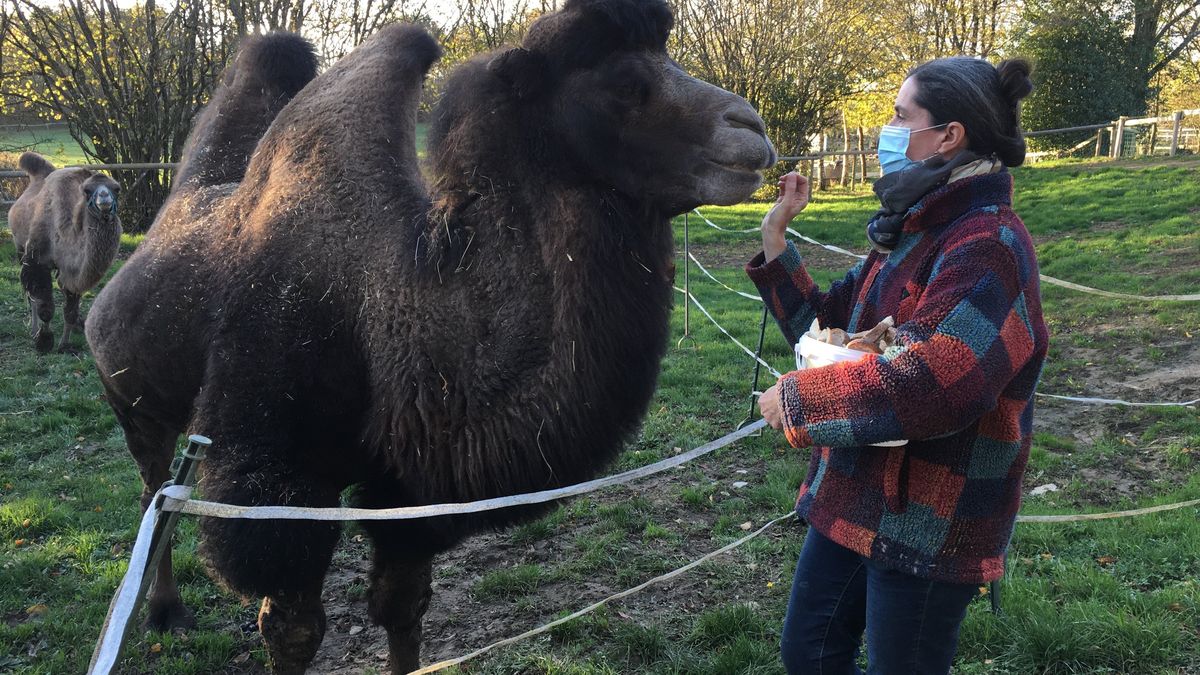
[770, 407]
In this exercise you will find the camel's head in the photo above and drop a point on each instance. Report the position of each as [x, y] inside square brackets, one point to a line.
[598, 82]
[101, 193]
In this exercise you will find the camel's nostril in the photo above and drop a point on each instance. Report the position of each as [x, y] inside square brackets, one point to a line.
[745, 118]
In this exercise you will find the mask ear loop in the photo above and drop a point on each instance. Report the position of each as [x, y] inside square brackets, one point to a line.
[939, 152]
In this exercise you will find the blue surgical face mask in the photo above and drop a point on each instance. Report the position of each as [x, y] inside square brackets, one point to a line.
[893, 147]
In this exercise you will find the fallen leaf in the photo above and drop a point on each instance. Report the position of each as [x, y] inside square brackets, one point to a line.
[1047, 556]
[746, 526]
[1106, 559]
[36, 610]
[770, 584]
[355, 630]
[983, 590]
[98, 509]
[737, 485]
[1175, 607]
[242, 658]
[18, 543]
[26, 523]
[156, 648]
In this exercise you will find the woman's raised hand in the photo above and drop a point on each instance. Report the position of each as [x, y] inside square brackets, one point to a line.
[793, 198]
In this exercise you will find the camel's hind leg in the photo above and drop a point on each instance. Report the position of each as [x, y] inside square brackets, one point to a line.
[35, 279]
[70, 319]
[152, 445]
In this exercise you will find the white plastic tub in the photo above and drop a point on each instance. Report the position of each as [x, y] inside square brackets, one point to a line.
[812, 353]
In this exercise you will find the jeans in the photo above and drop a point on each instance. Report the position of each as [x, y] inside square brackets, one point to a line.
[911, 623]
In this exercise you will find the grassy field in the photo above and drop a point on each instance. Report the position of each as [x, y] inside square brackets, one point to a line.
[1107, 597]
[62, 150]
[54, 142]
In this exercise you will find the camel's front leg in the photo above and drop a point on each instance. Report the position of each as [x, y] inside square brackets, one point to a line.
[292, 626]
[399, 595]
[70, 319]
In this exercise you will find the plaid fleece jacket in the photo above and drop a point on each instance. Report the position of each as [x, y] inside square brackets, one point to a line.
[962, 285]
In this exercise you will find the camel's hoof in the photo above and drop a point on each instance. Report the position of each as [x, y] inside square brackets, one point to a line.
[43, 341]
[167, 616]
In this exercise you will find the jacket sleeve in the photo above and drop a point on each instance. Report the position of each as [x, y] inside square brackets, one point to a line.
[968, 337]
[794, 298]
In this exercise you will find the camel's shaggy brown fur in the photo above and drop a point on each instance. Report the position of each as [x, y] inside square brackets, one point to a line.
[331, 322]
[64, 223]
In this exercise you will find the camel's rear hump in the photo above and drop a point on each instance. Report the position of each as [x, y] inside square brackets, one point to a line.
[268, 71]
[35, 165]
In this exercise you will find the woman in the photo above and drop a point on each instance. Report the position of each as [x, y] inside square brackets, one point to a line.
[900, 538]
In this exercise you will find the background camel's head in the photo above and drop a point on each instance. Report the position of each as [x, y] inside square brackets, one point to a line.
[101, 192]
[596, 78]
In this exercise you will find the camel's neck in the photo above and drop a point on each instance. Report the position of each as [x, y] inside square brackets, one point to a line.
[566, 301]
[95, 241]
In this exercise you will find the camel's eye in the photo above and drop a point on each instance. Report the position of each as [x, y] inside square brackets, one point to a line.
[629, 89]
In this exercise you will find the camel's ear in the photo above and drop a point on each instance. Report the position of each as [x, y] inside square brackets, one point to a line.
[522, 70]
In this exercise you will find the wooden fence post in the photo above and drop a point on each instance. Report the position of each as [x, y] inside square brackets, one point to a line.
[1099, 140]
[862, 158]
[1118, 138]
[820, 162]
[1178, 120]
[846, 149]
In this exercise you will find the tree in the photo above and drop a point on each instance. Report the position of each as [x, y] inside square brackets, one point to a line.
[1162, 32]
[793, 60]
[1083, 73]
[1099, 59]
[126, 81]
[929, 29]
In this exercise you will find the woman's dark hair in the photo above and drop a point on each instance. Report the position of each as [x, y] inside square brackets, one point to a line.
[985, 99]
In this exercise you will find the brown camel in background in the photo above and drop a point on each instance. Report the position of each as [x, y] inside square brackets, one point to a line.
[65, 222]
[332, 321]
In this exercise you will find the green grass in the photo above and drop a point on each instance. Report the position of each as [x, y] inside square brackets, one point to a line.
[1105, 597]
[62, 150]
[55, 143]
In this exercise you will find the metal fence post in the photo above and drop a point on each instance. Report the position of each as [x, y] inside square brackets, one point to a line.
[160, 541]
[687, 285]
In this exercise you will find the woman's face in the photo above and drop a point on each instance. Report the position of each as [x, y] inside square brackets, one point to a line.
[921, 144]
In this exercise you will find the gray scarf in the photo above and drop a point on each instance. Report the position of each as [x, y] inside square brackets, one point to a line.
[899, 191]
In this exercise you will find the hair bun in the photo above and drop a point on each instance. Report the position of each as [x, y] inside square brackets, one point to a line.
[1014, 79]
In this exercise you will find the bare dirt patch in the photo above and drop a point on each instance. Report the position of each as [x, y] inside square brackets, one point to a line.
[1135, 468]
